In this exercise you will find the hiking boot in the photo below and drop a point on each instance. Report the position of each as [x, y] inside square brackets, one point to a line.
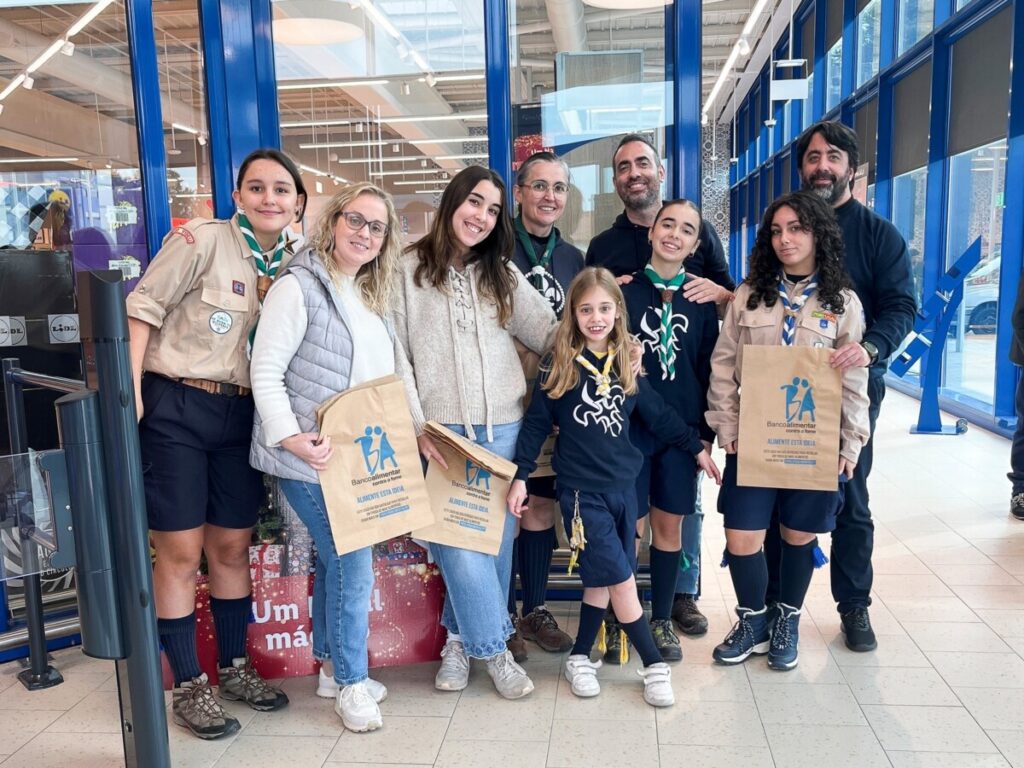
[517, 643]
[581, 673]
[327, 688]
[194, 707]
[782, 651]
[688, 617]
[509, 678]
[658, 685]
[666, 640]
[1017, 505]
[240, 682]
[748, 635]
[540, 626]
[454, 672]
[357, 709]
[857, 631]
[615, 642]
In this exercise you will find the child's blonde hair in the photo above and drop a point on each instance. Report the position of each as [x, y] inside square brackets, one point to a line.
[563, 373]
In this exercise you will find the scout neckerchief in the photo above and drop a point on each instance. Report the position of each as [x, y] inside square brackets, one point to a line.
[792, 308]
[543, 261]
[603, 377]
[666, 347]
[266, 270]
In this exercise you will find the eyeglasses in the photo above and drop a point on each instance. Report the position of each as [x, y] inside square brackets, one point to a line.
[357, 221]
[542, 187]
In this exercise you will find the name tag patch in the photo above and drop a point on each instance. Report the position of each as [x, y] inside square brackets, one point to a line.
[220, 322]
[826, 317]
[238, 287]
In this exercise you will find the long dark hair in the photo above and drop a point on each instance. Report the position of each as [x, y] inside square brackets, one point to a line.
[816, 216]
[497, 281]
[279, 157]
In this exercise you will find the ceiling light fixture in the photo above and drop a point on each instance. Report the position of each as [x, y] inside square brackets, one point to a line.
[315, 123]
[734, 54]
[18, 160]
[428, 191]
[414, 172]
[331, 84]
[384, 142]
[474, 156]
[46, 55]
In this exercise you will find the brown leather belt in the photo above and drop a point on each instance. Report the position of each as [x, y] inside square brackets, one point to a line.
[217, 387]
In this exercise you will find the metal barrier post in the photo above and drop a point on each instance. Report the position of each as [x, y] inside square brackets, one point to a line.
[39, 674]
[104, 332]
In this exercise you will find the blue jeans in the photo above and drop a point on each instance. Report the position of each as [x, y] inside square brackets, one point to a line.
[688, 579]
[347, 584]
[476, 603]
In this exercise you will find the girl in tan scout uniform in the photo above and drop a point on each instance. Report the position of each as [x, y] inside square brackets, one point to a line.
[796, 294]
[191, 320]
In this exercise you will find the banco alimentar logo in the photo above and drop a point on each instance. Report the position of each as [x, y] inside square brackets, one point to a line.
[377, 450]
[799, 396]
[477, 476]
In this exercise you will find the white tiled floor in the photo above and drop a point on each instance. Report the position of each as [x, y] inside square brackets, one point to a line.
[945, 688]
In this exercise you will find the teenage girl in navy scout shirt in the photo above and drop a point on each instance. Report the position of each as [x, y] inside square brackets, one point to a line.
[190, 319]
[588, 390]
[797, 293]
[549, 264]
[678, 337]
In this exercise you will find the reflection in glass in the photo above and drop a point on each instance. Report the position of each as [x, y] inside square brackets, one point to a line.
[834, 75]
[807, 110]
[869, 33]
[916, 18]
[908, 216]
[977, 181]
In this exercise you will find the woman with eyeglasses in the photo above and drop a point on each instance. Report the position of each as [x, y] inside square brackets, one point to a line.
[324, 330]
[549, 264]
[459, 308]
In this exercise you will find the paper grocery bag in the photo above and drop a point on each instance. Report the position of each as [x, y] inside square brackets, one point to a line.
[790, 403]
[468, 499]
[373, 484]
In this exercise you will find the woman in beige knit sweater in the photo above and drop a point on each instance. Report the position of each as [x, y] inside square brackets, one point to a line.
[460, 303]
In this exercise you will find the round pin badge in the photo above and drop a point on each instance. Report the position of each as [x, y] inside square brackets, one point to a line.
[220, 322]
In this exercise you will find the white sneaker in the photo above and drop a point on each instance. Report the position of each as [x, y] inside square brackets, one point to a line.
[658, 685]
[509, 678]
[581, 673]
[357, 709]
[454, 672]
[328, 688]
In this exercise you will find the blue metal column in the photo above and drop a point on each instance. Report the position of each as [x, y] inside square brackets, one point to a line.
[683, 70]
[156, 211]
[818, 58]
[1013, 226]
[238, 56]
[849, 49]
[499, 91]
[883, 150]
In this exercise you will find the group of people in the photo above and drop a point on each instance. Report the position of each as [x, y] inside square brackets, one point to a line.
[502, 331]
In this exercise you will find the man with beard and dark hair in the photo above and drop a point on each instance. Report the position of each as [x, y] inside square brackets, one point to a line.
[878, 263]
[624, 249]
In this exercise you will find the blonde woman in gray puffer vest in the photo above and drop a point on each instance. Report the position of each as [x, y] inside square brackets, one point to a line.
[323, 330]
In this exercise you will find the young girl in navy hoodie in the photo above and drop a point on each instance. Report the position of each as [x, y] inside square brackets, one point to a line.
[587, 388]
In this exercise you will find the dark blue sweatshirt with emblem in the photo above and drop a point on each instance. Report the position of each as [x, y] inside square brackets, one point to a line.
[695, 331]
[566, 263]
[594, 450]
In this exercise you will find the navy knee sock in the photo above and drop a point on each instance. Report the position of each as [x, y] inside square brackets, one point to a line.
[796, 569]
[639, 633]
[178, 637]
[512, 610]
[231, 622]
[590, 624]
[664, 569]
[749, 578]
[535, 548]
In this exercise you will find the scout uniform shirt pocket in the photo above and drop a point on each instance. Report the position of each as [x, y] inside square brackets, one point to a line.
[759, 326]
[222, 321]
[817, 328]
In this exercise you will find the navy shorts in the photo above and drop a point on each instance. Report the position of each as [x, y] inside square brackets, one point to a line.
[747, 508]
[541, 486]
[195, 457]
[609, 524]
[668, 481]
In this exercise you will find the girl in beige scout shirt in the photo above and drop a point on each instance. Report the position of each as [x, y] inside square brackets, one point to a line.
[191, 319]
[797, 293]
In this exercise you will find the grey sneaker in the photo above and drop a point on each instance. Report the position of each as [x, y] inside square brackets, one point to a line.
[1017, 505]
[240, 682]
[454, 672]
[509, 678]
[194, 707]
